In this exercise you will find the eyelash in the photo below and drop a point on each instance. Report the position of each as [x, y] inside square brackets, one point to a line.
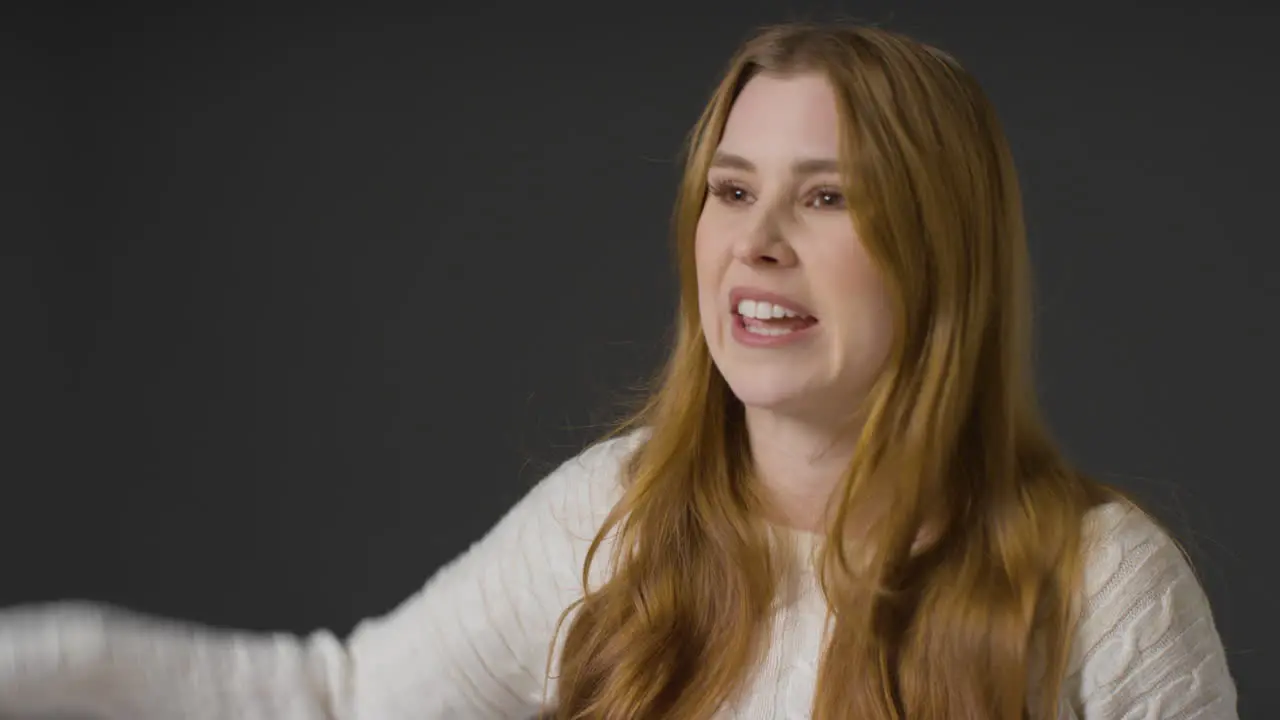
[724, 190]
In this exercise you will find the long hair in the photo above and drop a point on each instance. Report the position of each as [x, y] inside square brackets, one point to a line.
[953, 553]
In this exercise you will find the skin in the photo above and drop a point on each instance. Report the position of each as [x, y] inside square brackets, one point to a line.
[776, 220]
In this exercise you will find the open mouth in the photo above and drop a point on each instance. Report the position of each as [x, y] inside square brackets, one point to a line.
[768, 319]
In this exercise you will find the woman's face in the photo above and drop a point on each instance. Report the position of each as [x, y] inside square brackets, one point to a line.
[795, 314]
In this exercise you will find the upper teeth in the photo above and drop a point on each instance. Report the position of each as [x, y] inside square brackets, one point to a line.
[761, 310]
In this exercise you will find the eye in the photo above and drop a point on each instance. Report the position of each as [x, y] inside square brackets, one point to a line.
[825, 198]
[729, 193]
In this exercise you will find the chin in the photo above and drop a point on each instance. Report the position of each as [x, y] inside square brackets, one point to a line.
[763, 390]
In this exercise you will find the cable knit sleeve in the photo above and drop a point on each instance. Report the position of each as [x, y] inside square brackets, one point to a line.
[1147, 646]
[472, 643]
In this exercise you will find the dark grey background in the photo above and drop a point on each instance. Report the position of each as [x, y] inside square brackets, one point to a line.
[295, 307]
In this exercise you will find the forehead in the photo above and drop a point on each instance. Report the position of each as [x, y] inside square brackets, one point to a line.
[783, 116]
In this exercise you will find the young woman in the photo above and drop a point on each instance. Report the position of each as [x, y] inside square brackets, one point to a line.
[840, 501]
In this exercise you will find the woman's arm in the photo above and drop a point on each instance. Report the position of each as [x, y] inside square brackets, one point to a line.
[472, 643]
[1147, 644]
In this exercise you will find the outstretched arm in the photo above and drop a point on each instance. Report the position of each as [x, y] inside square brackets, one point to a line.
[472, 643]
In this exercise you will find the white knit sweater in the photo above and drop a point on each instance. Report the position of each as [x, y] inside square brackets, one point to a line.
[473, 642]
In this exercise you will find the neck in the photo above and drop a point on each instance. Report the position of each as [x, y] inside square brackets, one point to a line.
[798, 465]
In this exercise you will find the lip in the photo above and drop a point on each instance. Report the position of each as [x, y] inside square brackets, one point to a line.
[750, 339]
[738, 294]
[743, 336]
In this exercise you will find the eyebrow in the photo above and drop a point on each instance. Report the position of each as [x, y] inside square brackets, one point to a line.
[806, 166]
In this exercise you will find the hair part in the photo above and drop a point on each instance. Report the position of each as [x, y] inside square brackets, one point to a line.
[952, 557]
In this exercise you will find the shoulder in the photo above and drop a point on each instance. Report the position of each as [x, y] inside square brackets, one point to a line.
[583, 489]
[1129, 557]
[604, 460]
[602, 464]
[1146, 632]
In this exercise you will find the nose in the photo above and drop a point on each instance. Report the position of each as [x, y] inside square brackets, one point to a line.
[765, 244]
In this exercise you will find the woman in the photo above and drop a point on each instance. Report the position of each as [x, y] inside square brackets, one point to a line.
[839, 503]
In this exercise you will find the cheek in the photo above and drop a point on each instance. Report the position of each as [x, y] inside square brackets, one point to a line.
[877, 318]
[704, 237]
[709, 255]
[866, 312]
[707, 273]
